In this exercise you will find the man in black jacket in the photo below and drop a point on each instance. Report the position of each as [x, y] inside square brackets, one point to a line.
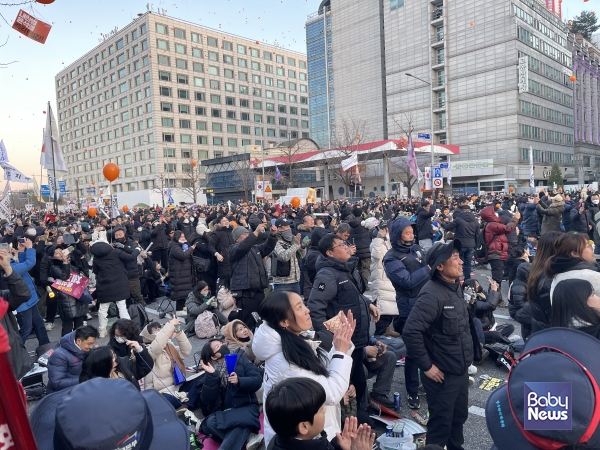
[466, 227]
[424, 228]
[438, 337]
[130, 262]
[248, 272]
[160, 242]
[338, 286]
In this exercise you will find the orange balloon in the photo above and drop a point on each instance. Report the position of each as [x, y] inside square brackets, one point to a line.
[92, 212]
[45, 2]
[125, 208]
[194, 163]
[511, 188]
[295, 202]
[111, 171]
[573, 78]
[473, 199]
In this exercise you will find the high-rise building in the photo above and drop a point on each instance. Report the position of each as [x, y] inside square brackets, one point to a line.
[161, 94]
[490, 77]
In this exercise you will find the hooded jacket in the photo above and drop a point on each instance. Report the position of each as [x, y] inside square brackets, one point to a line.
[361, 237]
[266, 345]
[64, 365]
[310, 260]
[495, 233]
[248, 271]
[552, 216]
[180, 271]
[512, 238]
[530, 220]
[339, 287]
[566, 268]
[235, 344]
[381, 287]
[406, 267]
[424, 228]
[161, 378]
[465, 226]
[220, 241]
[112, 284]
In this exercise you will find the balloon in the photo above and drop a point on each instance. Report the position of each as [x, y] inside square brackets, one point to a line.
[125, 208]
[111, 171]
[45, 2]
[573, 78]
[511, 188]
[194, 163]
[473, 199]
[295, 202]
[92, 212]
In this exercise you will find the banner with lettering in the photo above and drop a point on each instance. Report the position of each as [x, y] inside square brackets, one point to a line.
[74, 286]
[31, 27]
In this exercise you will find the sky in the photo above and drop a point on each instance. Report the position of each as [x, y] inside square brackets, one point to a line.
[28, 84]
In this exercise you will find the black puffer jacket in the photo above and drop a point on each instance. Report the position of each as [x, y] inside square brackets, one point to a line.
[220, 241]
[68, 307]
[131, 251]
[437, 330]
[203, 251]
[485, 307]
[339, 287]
[360, 237]
[541, 306]
[310, 259]
[465, 226]
[248, 270]
[180, 271]
[159, 237]
[424, 229]
[518, 306]
[111, 277]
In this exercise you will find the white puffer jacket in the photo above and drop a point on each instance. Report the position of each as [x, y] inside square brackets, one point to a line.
[380, 285]
[266, 346]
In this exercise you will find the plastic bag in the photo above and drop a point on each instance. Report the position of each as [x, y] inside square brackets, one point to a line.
[394, 443]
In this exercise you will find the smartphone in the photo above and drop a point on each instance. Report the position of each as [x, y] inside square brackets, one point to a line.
[21, 240]
[4, 246]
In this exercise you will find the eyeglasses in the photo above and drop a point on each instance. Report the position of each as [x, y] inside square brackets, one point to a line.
[343, 244]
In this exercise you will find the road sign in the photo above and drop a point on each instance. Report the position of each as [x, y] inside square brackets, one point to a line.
[438, 183]
[437, 172]
[45, 190]
[423, 136]
[443, 165]
[62, 185]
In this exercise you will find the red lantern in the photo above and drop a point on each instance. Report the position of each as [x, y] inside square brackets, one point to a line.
[295, 202]
[111, 171]
[573, 78]
[45, 2]
[92, 212]
[194, 163]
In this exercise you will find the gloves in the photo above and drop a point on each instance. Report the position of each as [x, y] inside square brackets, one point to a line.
[118, 245]
[212, 302]
[144, 254]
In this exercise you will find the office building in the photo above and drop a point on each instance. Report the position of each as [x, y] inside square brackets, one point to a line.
[490, 77]
[162, 94]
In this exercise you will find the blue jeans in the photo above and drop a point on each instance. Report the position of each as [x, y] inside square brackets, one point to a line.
[466, 254]
[293, 287]
[31, 320]
[232, 439]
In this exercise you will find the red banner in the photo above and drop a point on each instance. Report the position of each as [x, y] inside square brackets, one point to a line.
[74, 286]
[31, 27]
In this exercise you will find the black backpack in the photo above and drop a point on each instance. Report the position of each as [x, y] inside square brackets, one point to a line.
[481, 248]
[137, 313]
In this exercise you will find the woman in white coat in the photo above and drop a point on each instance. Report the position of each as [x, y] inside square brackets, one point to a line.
[381, 286]
[287, 354]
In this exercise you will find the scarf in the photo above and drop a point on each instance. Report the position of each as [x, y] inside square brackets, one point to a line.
[221, 369]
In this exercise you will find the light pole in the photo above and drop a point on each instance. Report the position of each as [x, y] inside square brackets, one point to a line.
[431, 119]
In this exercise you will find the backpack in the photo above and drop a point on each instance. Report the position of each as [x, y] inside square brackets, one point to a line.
[137, 313]
[481, 248]
[201, 264]
[206, 325]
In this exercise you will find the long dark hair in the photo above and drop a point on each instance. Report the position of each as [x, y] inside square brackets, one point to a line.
[569, 302]
[545, 250]
[276, 308]
[98, 363]
[566, 245]
[198, 288]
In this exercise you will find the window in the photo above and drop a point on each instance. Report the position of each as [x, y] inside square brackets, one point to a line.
[168, 137]
[144, 45]
[213, 56]
[198, 82]
[184, 109]
[186, 138]
[215, 98]
[270, 107]
[167, 122]
[185, 123]
[245, 130]
[169, 152]
[212, 42]
[281, 71]
[227, 45]
[302, 76]
[231, 114]
[256, 79]
[270, 132]
[282, 121]
[122, 73]
[217, 141]
[241, 49]
[231, 128]
[268, 56]
[165, 91]
[182, 93]
[162, 29]
[227, 59]
[170, 167]
[232, 142]
[213, 70]
[294, 123]
[181, 49]
[180, 34]
[281, 84]
[143, 29]
[121, 58]
[257, 105]
[293, 110]
[244, 103]
[215, 112]
[243, 76]
[255, 65]
[198, 67]
[199, 96]
[279, 59]
[230, 101]
[244, 90]
[202, 140]
[164, 60]
[196, 38]
[271, 120]
[200, 125]
[282, 109]
[183, 79]
[197, 53]
[181, 63]
[292, 86]
[269, 94]
[200, 111]
[217, 127]
[162, 44]
[257, 92]
[166, 106]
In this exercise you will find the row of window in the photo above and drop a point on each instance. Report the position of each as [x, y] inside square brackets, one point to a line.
[231, 128]
[217, 140]
[539, 25]
[541, 90]
[545, 156]
[540, 134]
[542, 46]
[533, 110]
[547, 71]
[545, 13]
[230, 87]
[229, 46]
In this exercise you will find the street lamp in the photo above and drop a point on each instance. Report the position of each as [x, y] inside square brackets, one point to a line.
[212, 198]
[431, 119]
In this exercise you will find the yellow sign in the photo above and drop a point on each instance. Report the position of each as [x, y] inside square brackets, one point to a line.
[268, 189]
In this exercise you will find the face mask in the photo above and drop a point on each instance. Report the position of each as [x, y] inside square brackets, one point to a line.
[224, 350]
[120, 339]
[139, 229]
[186, 221]
[408, 243]
[182, 242]
[121, 240]
[595, 202]
[322, 226]
[286, 234]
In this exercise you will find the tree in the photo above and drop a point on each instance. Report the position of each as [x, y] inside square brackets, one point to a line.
[192, 179]
[399, 165]
[584, 24]
[555, 177]
[244, 177]
[160, 180]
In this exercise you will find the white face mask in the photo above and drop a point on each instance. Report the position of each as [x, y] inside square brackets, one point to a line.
[182, 242]
[139, 229]
[120, 339]
[186, 221]
[595, 202]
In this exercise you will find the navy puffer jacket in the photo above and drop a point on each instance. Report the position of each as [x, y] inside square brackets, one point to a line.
[530, 220]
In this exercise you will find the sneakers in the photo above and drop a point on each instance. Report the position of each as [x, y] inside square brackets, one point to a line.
[484, 354]
[254, 441]
[382, 399]
[472, 370]
[401, 361]
[49, 326]
[413, 401]
[102, 332]
[514, 338]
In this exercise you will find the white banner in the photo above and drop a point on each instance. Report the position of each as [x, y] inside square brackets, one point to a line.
[350, 162]
[3, 153]
[51, 152]
[523, 74]
[449, 174]
[5, 210]
[13, 174]
[531, 177]
[428, 178]
[52, 185]
[259, 192]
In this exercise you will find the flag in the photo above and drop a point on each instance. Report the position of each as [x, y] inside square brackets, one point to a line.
[13, 174]
[52, 156]
[357, 174]
[36, 190]
[3, 153]
[277, 173]
[348, 163]
[6, 189]
[531, 178]
[411, 158]
[5, 209]
[51, 184]
[449, 174]
[419, 175]
[115, 206]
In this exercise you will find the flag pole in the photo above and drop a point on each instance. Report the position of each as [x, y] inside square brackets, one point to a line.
[54, 182]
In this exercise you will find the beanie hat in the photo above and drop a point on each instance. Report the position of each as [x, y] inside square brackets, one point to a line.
[238, 231]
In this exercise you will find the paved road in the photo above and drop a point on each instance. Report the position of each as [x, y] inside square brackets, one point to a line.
[476, 435]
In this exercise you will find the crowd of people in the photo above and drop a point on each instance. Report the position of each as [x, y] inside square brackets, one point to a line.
[293, 292]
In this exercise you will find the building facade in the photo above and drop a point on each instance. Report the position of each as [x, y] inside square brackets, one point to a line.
[463, 58]
[162, 94]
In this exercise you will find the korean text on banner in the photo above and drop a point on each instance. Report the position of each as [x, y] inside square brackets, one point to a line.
[5, 210]
[31, 27]
[3, 153]
[74, 286]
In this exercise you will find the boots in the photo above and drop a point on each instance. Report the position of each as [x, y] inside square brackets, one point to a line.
[102, 332]
[391, 333]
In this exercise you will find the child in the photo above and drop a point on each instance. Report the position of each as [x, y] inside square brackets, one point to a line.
[296, 411]
[532, 244]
